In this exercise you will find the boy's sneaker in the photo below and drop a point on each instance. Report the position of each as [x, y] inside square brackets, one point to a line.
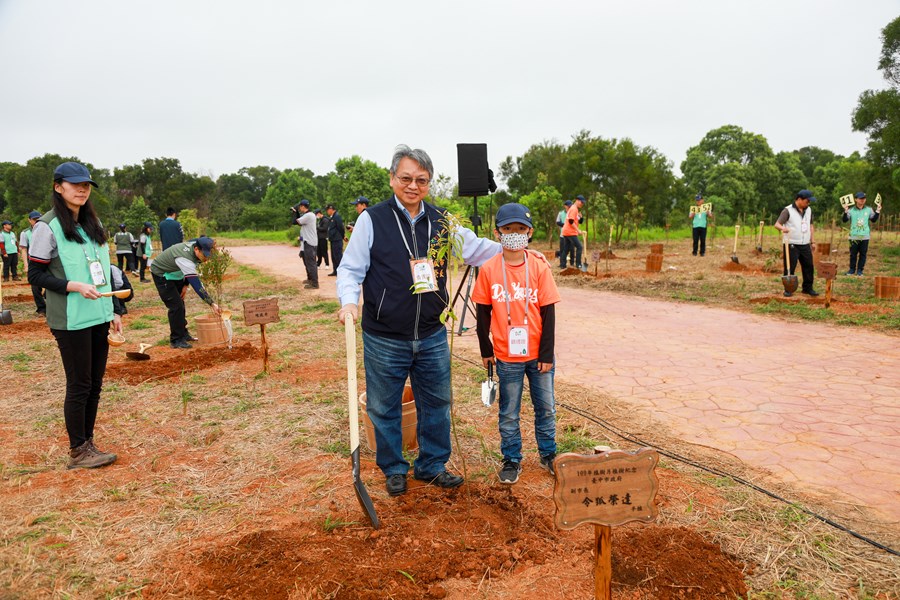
[859, 273]
[547, 463]
[509, 474]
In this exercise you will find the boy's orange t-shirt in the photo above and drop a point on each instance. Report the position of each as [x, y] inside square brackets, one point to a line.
[489, 290]
[571, 215]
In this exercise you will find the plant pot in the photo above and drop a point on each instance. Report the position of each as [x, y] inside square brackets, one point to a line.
[408, 421]
[887, 287]
[654, 263]
[211, 330]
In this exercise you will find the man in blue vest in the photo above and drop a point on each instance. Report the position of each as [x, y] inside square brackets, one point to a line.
[403, 336]
[170, 230]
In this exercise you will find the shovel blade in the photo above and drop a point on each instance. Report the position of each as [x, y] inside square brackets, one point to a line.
[790, 283]
[362, 494]
[734, 259]
[5, 317]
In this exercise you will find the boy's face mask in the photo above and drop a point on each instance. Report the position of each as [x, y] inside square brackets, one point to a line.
[514, 241]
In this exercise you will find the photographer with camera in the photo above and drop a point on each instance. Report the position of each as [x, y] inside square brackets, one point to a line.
[309, 241]
[336, 238]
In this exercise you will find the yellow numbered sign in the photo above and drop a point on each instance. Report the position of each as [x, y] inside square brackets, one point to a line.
[847, 201]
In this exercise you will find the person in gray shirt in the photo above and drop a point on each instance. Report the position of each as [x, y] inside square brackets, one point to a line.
[309, 242]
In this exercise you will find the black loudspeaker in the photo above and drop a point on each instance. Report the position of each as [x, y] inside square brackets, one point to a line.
[474, 177]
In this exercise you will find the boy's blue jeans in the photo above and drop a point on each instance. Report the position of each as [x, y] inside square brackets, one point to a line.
[426, 362]
[511, 376]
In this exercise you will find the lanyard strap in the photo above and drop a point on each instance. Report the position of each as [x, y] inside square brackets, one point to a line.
[412, 227]
[508, 294]
[88, 242]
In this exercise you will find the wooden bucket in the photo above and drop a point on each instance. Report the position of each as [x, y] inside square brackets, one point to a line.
[656, 248]
[211, 330]
[654, 263]
[887, 287]
[407, 423]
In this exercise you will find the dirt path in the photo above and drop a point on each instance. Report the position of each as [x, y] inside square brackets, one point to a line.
[817, 406]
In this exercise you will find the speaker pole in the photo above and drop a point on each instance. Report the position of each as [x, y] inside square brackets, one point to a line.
[469, 277]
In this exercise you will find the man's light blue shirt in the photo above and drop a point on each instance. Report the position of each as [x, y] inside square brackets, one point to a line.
[355, 263]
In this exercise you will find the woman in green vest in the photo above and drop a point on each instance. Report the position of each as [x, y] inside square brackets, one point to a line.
[69, 257]
[145, 248]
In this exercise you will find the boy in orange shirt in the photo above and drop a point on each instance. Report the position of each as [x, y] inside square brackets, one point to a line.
[515, 297]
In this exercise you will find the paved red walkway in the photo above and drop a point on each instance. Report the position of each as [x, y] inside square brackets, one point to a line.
[818, 406]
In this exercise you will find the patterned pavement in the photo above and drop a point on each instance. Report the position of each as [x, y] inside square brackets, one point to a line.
[817, 406]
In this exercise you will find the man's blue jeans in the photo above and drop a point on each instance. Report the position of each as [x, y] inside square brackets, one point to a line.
[426, 362]
[511, 377]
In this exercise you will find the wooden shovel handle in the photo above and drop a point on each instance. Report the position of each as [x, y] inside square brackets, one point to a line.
[350, 340]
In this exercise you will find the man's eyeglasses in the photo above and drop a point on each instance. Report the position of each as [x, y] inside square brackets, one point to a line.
[407, 180]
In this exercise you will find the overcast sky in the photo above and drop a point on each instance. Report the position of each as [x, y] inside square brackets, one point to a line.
[224, 84]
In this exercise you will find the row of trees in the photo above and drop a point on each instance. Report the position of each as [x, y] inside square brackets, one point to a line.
[627, 185]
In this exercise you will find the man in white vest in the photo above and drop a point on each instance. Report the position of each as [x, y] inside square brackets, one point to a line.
[796, 222]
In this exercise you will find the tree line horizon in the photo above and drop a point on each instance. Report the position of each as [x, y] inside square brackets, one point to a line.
[626, 185]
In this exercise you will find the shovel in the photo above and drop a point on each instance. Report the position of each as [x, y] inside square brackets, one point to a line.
[140, 354]
[584, 253]
[734, 257]
[361, 493]
[489, 387]
[789, 281]
[759, 241]
[5, 315]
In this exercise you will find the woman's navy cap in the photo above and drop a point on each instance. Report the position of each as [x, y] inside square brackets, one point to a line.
[513, 213]
[73, 172]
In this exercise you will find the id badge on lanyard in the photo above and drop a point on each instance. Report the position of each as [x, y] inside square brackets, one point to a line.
[518, 341]
[97, 274]
[423, 276]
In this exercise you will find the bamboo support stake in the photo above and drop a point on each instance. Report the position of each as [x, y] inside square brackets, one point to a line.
[265, 347]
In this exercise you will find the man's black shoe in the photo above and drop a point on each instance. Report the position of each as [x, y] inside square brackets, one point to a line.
[181, 344]
[444, 479]
[396, 485]
[190, 338]
[811, 293]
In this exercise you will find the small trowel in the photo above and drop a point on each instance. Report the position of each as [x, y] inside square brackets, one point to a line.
[489, 387]
[140, 354]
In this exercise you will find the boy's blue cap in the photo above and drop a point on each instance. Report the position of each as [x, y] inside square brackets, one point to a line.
[580, 197]
[568, 203]
[73, 172]
[698, 197]
[860, 194]
[205, 244]
[513, 213]
[34, 215]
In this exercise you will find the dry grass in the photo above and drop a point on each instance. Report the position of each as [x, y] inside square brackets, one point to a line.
[255, 452]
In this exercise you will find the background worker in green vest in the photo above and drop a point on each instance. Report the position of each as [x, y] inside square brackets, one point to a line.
[172, 271]
[124, 253]
[699, 221]
[859, 216]
[10, 250]
[40, 305]
[69, 257]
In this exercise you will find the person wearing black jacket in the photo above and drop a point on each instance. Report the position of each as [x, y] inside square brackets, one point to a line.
[322, 234]
[170, 230]
[336, 237]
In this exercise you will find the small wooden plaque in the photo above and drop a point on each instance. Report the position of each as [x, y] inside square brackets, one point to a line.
[260, 312]
[610, 488]
[827, 270]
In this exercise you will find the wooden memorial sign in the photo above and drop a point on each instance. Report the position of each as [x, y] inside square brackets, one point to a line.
[260, 312]
[610, 488]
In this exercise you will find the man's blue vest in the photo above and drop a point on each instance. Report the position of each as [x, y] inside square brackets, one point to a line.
[390, 309]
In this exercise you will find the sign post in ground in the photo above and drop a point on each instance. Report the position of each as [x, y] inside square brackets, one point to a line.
[261, 312]
[610, 488]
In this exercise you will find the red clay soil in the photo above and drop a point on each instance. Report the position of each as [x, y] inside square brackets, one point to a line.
[18, 298]
[24, 327]
[166, 363]
[437, 544]
[733, 266]
[837, 306]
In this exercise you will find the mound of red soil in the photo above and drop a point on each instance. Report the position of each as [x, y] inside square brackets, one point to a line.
[25, 327]
[18, 298]
[572, 271]
[436, 544]
[733, 266]
[174, 363]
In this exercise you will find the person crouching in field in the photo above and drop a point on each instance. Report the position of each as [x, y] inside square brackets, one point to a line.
[69, 257]
[515, 296]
